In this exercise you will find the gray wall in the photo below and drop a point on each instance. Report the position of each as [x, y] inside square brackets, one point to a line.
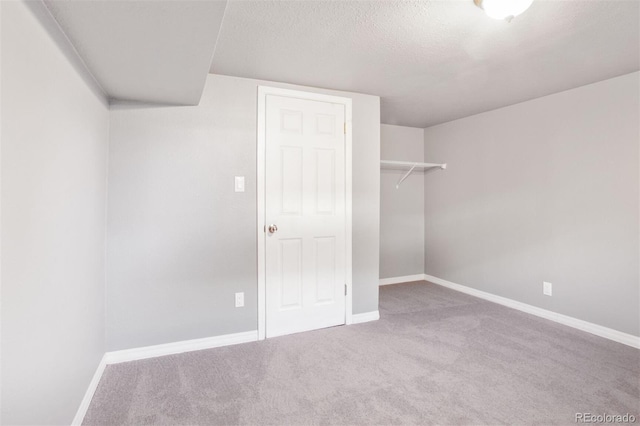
[54, 142]
[181, 242]
[545, 190]
[401, 209]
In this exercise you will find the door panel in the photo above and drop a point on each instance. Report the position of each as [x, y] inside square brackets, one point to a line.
[325, 263]
[325, 181]
[290, 259]
[305, 199]
[291, 193]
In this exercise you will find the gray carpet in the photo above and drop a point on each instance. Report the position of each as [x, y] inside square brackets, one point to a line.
[435, 357]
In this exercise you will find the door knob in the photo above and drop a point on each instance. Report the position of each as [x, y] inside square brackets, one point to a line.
[272, 228]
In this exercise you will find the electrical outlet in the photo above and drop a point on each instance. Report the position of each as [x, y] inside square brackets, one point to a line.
[547, 288]
[239, 300]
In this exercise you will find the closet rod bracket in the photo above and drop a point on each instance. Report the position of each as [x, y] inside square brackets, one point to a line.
[406, 175]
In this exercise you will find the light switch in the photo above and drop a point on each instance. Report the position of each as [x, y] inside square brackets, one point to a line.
[239, 183]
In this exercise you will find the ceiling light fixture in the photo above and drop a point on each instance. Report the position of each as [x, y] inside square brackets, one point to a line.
[503, 9]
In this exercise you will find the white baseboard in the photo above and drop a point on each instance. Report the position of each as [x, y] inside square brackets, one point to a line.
[598, 330]
[88, 395]
[156, 351]
[145, 352]
[252, 336]
[398, 280]
[365, 317]
[126, 355]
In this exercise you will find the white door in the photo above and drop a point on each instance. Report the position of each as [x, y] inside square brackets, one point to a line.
[305, 262]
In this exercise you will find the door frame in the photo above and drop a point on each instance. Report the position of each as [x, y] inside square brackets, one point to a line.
[263, 91]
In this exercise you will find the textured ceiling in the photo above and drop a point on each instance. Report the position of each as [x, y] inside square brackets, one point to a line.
[149, 51]
[430, 61]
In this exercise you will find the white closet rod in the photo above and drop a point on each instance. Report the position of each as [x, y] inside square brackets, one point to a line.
[411, 166]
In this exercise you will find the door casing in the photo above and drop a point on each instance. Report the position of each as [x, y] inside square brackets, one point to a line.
[263, 91]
